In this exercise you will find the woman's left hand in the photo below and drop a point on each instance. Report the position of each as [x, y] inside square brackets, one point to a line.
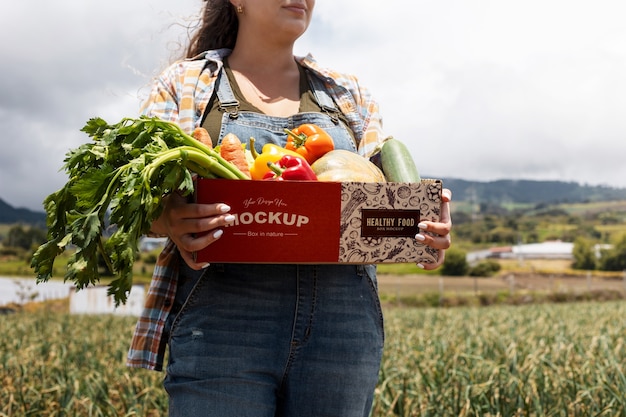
[438, 235]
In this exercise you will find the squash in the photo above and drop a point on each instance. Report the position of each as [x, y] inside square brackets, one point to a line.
[340, 165]
[397, 163]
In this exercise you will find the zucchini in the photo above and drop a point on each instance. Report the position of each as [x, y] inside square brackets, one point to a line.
[397, 162]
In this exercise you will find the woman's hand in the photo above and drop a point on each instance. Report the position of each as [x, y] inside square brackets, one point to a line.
[438, 235]
[182, 222]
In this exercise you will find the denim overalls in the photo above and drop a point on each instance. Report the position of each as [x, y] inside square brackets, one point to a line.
[275, 340]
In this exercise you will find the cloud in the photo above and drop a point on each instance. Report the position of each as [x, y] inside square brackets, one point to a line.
[73, 61]
[479, 90]
[486, 90]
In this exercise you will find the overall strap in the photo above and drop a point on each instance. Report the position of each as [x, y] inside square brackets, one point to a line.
[324, 100]
[225, 95]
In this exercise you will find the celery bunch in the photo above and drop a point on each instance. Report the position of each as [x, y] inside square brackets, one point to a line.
[121, 177]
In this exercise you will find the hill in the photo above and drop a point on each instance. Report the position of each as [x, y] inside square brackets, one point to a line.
[528, 191]
[10, 215]
[493, 192]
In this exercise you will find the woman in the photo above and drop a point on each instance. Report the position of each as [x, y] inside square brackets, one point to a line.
[261, 340]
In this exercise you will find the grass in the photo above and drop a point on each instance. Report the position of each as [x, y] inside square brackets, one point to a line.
[561, 267]
[143, 270]
[14, 266]
[403, 269]
[578, 209]
[552, 360]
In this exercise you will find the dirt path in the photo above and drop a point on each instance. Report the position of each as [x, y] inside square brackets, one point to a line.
[416, 284]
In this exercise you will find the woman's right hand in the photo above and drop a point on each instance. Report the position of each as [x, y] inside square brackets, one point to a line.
[191, 226]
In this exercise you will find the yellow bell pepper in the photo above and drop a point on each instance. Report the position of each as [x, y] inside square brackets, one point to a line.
[270, 153]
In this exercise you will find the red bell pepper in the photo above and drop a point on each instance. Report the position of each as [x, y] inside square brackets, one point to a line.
[290, 167]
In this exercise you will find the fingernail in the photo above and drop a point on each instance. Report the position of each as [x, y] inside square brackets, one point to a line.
[217, 234]
[229, 219]
[422, 226]
[206, 265]
[224, 208]
[420, 237]
[420, 266]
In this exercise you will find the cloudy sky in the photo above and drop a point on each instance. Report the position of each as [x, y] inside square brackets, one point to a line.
[478, 89]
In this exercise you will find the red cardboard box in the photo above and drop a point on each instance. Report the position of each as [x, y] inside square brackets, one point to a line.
[321, 222]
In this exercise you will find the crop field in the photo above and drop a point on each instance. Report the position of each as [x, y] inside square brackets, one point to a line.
[541, 360]
[537, 360]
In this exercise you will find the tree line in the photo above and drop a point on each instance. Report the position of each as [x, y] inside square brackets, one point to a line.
[589, 256]
[493, 225]
[490, 225]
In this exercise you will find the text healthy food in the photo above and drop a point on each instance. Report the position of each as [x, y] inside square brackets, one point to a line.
[119, 179]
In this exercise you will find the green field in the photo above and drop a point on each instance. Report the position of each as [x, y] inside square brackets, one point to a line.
[538, 360]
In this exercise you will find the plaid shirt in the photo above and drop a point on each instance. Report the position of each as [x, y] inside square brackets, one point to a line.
[181, 94]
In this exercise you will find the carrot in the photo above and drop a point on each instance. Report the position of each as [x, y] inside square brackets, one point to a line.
[200, 134]
[231, 149]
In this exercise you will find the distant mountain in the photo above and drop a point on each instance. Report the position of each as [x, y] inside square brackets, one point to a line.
[528, 191]
[495, 192]
[10, 214]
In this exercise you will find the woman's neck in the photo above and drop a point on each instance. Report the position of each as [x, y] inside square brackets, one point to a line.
[271, 82]
[260, 60]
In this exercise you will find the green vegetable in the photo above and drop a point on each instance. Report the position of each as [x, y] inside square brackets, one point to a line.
[115, 186]
[397, 163]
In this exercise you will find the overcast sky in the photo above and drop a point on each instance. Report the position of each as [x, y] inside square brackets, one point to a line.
[478, 89]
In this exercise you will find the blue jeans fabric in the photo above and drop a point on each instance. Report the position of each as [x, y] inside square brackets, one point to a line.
[275, 340]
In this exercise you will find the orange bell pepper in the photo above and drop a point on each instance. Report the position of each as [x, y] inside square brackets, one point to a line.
[310, 141]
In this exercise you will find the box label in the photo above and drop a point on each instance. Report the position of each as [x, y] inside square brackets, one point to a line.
[389, 223]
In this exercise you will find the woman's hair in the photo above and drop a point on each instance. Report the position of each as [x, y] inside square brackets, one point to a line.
[217, 28]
